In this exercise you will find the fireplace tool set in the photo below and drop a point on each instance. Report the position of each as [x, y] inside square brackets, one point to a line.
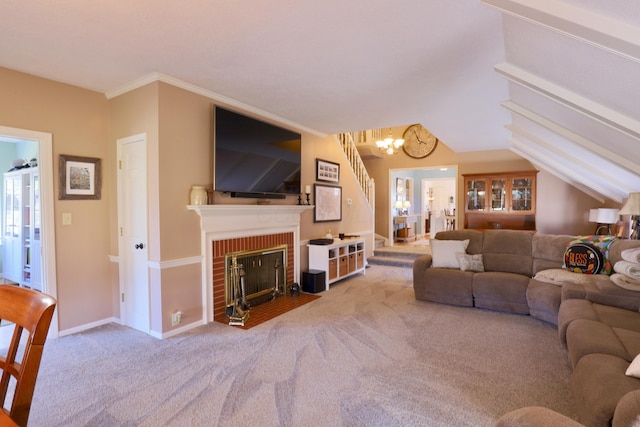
[278, 290]
[239, 311]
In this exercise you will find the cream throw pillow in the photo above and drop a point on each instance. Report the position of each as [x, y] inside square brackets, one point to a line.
[634, 369]
[443, 252]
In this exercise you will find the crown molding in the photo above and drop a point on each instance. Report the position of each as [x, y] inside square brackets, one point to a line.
[216, 97]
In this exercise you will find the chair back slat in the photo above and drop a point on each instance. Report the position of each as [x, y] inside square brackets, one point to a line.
[31, 313]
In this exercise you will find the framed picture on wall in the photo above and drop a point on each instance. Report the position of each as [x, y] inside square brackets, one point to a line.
[327, 171]
[328, 203]
[79, 178]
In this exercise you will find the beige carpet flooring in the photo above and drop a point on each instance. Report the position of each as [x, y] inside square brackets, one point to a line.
[365, 354]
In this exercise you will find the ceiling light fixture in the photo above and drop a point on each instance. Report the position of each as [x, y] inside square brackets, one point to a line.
[389, 145]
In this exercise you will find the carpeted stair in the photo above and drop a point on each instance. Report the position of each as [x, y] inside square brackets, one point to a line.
[392, 256]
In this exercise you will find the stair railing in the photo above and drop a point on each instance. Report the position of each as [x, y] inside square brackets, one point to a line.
[367, 184]
[357, 167]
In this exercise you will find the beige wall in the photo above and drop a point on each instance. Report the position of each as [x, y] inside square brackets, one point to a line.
[78, 121]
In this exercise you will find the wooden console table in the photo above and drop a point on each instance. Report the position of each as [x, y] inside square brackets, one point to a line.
[405, 228]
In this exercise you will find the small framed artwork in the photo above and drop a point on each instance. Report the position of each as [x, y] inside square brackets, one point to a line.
[79, 178]
[327, 171]
[328, 203]
[399, 186]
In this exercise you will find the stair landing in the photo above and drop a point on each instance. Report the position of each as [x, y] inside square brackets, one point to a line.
[398, 256]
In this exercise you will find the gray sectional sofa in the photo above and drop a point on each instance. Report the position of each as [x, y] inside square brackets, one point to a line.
[597, 320]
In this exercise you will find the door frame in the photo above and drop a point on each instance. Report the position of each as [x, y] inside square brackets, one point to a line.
[47, 213]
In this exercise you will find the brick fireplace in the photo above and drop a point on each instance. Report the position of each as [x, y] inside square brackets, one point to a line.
[233, 228]
[223, 247]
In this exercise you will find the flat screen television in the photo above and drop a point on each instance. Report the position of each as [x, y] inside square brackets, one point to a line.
[254, 158]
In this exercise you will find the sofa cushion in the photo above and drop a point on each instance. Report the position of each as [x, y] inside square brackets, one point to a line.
[591, 336]
[543, 300]
[598, 383]
[571, 310]
[444, 252]
[501, 291]
[444, 285]
[508, 251]
[474, 237]
[548, 250]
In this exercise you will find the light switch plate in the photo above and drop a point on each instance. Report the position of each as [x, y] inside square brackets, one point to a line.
[66, 218]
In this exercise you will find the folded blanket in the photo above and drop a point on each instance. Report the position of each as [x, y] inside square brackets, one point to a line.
[625, 282]
[631, 255]
[631, 269]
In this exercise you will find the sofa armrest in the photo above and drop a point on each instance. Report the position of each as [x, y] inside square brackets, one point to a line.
[422, 263]
[627, 411]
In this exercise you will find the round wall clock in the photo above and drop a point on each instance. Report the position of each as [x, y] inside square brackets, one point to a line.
[418, 142]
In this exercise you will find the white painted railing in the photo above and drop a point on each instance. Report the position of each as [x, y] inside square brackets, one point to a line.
[357, 166]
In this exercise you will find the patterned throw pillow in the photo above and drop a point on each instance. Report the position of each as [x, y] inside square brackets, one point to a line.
[470, 262]
[589, 254]
[583, 258]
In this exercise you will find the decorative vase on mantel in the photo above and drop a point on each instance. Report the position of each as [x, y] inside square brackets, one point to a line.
[198, 195]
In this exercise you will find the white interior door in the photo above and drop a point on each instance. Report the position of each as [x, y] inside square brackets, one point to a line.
[132, 242]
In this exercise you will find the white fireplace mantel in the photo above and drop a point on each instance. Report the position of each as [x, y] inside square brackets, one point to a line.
[225, 219]
[219, 222]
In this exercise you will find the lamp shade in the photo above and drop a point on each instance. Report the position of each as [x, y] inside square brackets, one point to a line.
[398, 204]
[406, 204]
[604, 215]
[632, 206]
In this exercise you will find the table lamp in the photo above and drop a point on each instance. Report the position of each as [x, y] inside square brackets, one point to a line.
[406, 205]
[632, 207]
[398, 206]
[603, 217]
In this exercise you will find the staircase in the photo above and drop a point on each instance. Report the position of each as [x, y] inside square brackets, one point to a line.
[397, 256]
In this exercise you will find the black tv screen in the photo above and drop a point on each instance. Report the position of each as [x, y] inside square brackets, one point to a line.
[252, 156]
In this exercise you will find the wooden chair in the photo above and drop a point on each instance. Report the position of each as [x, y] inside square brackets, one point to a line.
[30, 311]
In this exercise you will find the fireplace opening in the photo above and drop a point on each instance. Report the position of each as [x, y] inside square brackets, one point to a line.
[253, 277]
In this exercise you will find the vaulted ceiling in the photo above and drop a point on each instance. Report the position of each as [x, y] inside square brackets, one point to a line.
[555, 81]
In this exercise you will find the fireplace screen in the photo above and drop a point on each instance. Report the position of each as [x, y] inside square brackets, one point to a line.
[255, 276]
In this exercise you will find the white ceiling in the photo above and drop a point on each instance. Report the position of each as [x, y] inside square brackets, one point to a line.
[550, 79]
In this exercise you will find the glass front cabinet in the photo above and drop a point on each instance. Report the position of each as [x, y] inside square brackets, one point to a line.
[21, 228]
[502, 200]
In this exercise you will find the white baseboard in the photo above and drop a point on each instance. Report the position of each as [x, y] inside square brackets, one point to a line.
[88, 326]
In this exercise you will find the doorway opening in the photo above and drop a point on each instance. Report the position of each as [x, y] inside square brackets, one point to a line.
[16, 144]
[431, 193]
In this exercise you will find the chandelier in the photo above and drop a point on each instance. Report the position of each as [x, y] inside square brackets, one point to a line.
[389, 145]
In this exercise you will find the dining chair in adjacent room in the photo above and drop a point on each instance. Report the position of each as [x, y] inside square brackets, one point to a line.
[30, 313]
